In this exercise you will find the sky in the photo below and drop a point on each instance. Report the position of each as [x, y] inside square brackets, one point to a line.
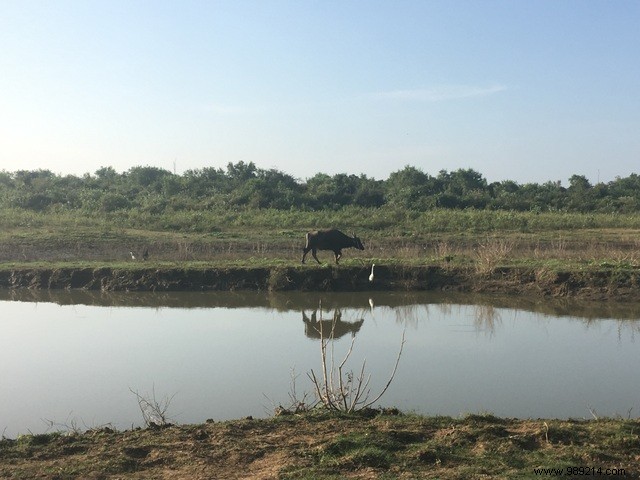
[529, 91]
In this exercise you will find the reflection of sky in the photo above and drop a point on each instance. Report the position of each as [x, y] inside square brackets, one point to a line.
[78, 363]
[528, 365]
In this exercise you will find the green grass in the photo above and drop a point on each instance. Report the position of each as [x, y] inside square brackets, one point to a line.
[394, 221]
[272, 238]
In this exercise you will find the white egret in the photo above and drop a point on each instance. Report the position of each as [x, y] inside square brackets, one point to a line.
[371, 276]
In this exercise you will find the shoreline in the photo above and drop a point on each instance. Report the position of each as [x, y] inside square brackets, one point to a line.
[378, 444]
[581, 284]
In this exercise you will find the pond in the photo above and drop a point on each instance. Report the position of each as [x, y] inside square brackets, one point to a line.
[76, 359]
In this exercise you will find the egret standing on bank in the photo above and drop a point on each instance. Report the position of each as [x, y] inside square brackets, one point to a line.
[371, 276]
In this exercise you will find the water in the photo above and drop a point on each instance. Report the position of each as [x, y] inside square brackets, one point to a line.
[74, 359]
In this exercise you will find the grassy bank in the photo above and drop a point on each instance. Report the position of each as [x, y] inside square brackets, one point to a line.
[553, 253]
[274, 237]
[319, 445]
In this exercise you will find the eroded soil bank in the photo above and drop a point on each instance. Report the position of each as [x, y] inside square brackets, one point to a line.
[594, 285]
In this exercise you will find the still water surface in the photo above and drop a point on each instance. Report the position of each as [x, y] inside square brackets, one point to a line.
[72, 359]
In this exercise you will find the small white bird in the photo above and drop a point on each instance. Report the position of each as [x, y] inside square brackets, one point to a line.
[133, 257]
[371, 276]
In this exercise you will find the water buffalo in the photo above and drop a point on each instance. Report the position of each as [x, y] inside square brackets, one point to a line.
[331, 239]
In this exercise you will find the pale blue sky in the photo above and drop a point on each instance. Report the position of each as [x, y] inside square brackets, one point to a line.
[529, 91]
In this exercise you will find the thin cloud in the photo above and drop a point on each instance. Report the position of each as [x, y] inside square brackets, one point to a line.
[440, 94]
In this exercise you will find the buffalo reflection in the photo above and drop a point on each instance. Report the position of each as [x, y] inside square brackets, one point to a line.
[335, 328]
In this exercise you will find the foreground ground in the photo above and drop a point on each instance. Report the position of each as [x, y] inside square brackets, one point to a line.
[384, 445]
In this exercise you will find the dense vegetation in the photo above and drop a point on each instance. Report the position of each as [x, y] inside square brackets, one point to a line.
[151, 190]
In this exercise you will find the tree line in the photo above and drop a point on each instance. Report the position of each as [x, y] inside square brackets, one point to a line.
[243, 185]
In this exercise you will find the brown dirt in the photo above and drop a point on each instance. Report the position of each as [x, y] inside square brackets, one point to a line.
[592, 285]
[323, 446]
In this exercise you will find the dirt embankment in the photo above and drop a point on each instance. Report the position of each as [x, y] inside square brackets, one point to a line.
[602, 284]
[330, 447]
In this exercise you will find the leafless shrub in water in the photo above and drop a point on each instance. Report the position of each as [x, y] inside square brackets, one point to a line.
[154, 411]
[340, 390]
[297, 403]
[70, 426]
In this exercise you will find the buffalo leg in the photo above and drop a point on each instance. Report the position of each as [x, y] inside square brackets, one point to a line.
[313, 252]
[304, 254]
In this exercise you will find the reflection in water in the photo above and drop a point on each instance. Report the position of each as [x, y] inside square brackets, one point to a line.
[409, 308]
[487, 317]
[334, 328]
[512, 356]
[283, 301]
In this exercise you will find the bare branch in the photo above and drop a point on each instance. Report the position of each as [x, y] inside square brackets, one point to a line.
[342, 390]
[154, 411]
[393, 373]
